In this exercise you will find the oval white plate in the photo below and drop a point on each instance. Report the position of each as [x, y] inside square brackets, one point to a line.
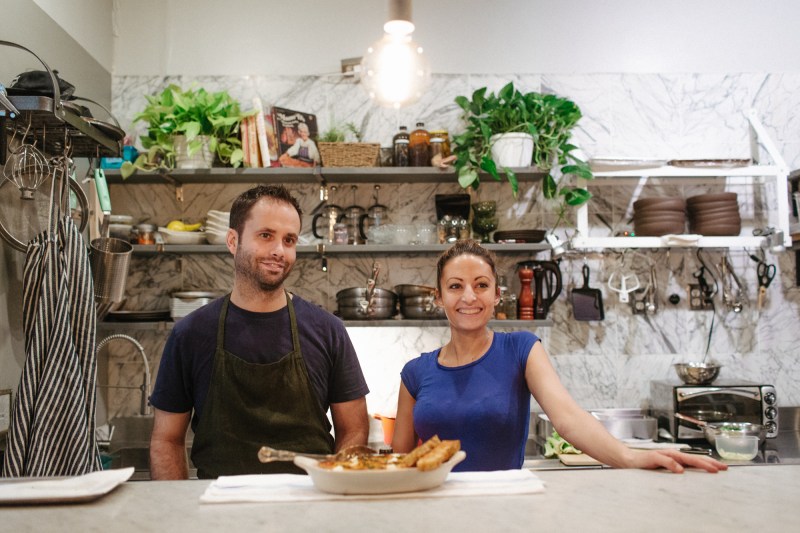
[376, 481]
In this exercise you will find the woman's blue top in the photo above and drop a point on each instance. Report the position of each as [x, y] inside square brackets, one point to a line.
[484, 404]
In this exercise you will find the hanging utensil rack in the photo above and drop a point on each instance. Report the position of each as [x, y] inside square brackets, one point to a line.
[51, 120]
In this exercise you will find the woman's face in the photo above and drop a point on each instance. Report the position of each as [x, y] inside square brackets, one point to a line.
[469, 292]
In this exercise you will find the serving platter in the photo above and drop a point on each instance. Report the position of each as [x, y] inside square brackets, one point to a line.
[76, 489]
[387, 481]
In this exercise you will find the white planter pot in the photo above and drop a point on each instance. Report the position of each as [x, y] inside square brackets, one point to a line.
[202, 158]
[512, 149]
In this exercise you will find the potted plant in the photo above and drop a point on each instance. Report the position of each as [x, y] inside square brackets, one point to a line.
[547, 118]
[192, 120]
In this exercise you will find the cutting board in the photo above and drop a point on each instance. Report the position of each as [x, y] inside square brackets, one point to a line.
[581, 459]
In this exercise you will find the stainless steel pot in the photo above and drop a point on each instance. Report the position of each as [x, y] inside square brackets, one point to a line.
[356, 303]
[414, 290]
[710, 431]
[417, 312]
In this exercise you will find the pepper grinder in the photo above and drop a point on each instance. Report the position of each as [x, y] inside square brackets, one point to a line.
[525, 294]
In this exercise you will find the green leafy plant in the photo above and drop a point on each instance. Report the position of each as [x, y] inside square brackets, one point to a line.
[193, 113]
[547, 117]
[339, 133]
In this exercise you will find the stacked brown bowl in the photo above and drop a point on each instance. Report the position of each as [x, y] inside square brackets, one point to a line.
[655, 217]
[715, 214]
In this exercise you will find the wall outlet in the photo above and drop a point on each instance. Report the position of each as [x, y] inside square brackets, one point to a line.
[5, 410]
[698, 301]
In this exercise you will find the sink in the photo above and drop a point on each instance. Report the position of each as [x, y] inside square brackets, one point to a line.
[130, 445]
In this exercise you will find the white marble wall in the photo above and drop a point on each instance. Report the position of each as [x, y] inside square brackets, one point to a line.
[603, 364]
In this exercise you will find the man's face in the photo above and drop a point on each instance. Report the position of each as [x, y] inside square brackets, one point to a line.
[303, 133]
[266, 251]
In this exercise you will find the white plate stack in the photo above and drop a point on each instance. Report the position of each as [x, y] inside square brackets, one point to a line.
[217, 226]
[183, 303]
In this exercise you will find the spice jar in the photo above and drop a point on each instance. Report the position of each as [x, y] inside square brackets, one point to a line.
[146, 233]
[420, 145]
[440, 146]
[402, 155]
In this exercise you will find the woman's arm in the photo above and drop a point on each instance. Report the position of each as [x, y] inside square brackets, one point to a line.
[405, 439]
[583, 431]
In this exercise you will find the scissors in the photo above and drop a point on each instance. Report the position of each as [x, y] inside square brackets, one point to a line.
[766, 273]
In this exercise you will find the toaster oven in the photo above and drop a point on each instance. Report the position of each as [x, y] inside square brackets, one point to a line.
[722, 401]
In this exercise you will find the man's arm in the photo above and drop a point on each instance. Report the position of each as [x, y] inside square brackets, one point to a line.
[350, 423]
[168, 445]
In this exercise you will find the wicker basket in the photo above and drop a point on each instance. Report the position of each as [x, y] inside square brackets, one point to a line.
[349, 154]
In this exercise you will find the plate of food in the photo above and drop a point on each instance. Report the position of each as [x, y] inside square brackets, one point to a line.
[424, 468]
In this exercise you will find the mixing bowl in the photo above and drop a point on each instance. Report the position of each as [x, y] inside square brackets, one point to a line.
[697, 373]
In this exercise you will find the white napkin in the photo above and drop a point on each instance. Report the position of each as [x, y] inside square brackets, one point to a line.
[297, 488]
[77, 488]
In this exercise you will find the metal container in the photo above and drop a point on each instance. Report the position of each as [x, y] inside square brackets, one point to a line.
[697, 373]
[356, 303]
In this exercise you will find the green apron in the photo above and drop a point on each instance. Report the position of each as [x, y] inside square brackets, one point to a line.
[250, 405]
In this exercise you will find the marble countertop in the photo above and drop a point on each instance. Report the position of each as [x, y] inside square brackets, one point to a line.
[580, 500]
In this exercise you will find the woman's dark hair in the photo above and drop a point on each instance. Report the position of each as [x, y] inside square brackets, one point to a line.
[466, 247]
[243, 203]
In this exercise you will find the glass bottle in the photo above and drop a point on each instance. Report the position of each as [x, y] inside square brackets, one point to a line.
[440, 146]
[400, 144]
[510, 302]
[420, 143]
[500, 308]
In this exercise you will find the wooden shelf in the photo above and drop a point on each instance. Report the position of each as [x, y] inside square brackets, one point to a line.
[336, 249]
[394, 323]
[308, 175]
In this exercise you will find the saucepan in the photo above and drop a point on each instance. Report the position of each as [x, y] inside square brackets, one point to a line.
[710, 431]
[355, 304]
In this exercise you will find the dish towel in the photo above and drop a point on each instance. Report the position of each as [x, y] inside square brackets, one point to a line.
[62, 489]
[299, 488]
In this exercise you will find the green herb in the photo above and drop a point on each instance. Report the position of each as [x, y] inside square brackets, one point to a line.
[191, 113]
[556, 445]
[339, 133]
[547, 117]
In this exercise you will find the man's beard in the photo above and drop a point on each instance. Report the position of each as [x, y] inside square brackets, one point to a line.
[247, 269]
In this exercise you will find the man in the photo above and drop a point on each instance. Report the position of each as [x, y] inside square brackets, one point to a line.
[258, 367]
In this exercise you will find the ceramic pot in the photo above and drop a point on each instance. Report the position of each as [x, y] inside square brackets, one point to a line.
[202, 158]
[512, 149]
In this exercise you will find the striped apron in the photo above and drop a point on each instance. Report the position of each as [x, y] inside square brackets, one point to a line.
[53, 417]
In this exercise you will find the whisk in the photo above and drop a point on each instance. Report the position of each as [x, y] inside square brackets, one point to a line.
[26, 167]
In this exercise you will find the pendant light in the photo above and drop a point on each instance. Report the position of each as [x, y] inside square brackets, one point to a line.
[394, 71]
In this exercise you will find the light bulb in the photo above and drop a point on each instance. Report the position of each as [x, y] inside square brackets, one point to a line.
[394, 71]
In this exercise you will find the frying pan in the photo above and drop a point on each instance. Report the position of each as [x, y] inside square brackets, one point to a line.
[710, 431]
[587, 303]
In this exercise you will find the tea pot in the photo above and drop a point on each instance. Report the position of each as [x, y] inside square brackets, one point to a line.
[546, 286]
[377, 215]
[352, 217]
[329, 216]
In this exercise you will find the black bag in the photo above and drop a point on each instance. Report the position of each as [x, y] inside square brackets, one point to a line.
[38, 83]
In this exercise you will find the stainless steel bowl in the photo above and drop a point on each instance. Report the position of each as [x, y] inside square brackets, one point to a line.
[697, 373]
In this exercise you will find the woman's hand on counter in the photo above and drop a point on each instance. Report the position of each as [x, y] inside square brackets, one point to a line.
[674, 461]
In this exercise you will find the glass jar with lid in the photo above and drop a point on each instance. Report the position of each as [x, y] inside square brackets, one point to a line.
[440, 146]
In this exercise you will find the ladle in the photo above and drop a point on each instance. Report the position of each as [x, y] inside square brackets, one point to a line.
[269, 455]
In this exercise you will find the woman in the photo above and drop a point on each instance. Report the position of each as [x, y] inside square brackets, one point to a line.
[477, 387]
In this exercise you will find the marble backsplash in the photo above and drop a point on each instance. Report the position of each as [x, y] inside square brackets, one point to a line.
[603, 364]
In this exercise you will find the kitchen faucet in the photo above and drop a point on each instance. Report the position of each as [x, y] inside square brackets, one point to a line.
[145, 387]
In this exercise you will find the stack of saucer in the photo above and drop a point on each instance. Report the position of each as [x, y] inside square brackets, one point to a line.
[217, 226]
[659, 216]
[714, 214]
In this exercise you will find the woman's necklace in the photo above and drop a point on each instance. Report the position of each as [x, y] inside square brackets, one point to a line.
[482, 349]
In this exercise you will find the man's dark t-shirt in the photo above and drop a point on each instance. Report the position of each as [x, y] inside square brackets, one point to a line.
[184, 375]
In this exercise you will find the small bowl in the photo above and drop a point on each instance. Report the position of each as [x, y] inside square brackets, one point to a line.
[182, 237]
[697, 373]
[733, 446]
